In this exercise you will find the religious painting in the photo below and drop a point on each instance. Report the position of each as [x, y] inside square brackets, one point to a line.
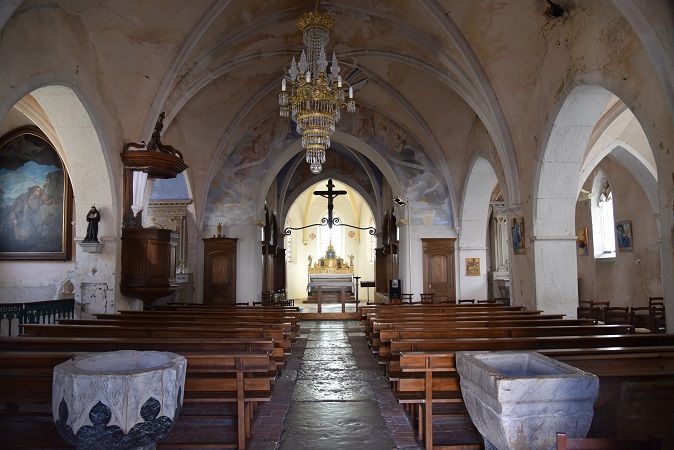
[35, 198]
[472, 267]
[582, 241]
[518, 236]
[624, 232]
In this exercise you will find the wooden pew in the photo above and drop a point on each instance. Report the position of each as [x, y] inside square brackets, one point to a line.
[211, 377]
[206, 316]
[449, 321]
[638, 362]
[364, 310]
[386, 336]
[446, 318]
[377, 327]
[211, 324]
[437, 357]
[130, 330]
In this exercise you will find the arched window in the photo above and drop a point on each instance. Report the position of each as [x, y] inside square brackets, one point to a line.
[603, 223]
[334, 235]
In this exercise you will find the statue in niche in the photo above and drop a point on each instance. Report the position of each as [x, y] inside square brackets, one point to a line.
[219, 229]
[93, 217]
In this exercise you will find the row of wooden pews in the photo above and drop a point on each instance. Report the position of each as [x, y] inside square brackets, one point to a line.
[234, 355]
[416, 347]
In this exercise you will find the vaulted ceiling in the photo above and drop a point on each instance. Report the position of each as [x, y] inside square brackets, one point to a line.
[437, 68]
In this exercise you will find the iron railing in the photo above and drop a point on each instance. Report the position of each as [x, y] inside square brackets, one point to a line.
[14, 315]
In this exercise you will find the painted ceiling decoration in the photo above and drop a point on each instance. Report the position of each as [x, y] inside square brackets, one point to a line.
[233, 192]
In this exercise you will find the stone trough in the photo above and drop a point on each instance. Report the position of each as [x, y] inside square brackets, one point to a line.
[118, 400]
[521, 400]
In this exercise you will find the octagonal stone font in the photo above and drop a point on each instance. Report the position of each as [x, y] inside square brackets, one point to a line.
[118, 400]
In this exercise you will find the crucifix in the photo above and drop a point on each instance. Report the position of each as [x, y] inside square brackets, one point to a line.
[330, 194]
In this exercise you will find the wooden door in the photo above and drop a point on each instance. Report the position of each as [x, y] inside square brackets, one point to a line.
[220, 271]
[439, 269]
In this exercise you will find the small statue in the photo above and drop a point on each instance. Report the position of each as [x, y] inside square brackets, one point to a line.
[350, 260]
[219, 228]
[310, 258]
[93, 217]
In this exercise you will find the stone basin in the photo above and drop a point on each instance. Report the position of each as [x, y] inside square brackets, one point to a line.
[521, 400]
[118, 400]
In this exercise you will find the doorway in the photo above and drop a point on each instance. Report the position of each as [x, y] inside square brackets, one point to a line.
[439, 273]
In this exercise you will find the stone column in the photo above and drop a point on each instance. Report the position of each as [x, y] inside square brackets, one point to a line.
[499, 275]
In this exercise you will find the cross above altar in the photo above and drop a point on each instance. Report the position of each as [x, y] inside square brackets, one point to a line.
[330, 194]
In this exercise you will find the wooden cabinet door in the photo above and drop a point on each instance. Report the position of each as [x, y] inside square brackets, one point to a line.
[439, 275]
[220, 271]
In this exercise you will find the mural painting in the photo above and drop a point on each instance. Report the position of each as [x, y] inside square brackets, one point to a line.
[234, 190]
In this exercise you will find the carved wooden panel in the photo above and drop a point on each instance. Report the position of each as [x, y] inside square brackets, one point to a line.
[148, 263]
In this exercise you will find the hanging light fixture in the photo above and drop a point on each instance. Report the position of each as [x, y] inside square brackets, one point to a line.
[313, 95]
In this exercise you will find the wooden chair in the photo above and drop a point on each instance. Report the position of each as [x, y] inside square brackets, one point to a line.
[406, 298]
[467, 301]
[486, 301]
[267, 298]
[617, 315]
[427, 298]
[601, 308]
[588, 312]
[564, 443]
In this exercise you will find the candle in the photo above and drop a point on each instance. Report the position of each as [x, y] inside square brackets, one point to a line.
[283, 85]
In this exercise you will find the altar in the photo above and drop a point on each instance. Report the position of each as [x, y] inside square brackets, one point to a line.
[330, 279]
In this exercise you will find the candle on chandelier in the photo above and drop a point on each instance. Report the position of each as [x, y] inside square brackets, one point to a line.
[350, 92]
[308, 77]
[283, 85]
[339, 81]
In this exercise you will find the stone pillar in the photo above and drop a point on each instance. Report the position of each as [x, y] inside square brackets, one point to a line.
[499, 275]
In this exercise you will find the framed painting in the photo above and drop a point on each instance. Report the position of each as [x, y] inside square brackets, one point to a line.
[624, 235]
[583, 242]
[473, 267]
[35, 198]
[518, 236]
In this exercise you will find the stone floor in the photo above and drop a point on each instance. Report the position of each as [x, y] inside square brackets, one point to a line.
[332, 395]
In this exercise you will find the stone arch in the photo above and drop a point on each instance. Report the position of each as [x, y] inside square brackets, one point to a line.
[57, 105]
[89, 169]
[645, 174]
[342, 138]
[473, 227]
[554, 199]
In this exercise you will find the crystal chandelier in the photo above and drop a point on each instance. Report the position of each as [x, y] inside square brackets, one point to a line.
[312, 95]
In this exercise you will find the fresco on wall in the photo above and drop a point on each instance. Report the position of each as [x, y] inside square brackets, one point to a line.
[336, 162]
[233, 192]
